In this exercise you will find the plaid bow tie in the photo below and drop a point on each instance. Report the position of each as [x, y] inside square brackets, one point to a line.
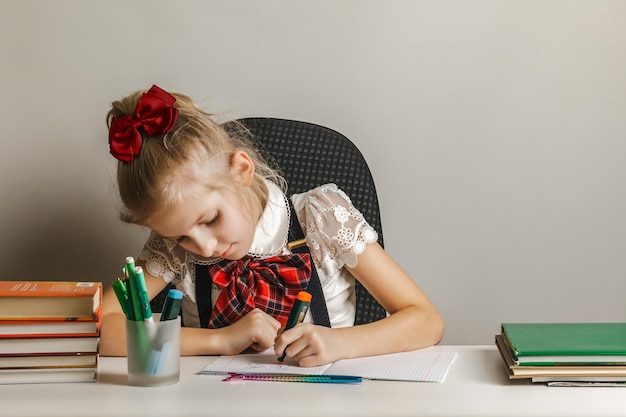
[270, 284]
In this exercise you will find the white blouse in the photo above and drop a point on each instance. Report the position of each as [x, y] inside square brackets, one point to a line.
[336, 234]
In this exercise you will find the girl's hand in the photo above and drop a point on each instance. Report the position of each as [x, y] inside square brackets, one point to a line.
[309, 345]
[256, 330]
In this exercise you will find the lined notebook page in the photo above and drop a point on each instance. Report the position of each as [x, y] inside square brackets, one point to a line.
[416, 366]
[419, 366]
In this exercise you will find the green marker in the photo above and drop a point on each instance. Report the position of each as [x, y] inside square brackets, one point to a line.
[133, 289]
[296, 316]
[144, 300]
[172, 304]
[122, 295]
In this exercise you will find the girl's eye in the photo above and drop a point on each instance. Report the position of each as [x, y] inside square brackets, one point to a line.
[212, 221]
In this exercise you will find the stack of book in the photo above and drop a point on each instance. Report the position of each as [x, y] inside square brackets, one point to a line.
[49, 331]
[565, 353]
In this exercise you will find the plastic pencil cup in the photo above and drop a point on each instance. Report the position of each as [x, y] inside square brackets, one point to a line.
[153, 350]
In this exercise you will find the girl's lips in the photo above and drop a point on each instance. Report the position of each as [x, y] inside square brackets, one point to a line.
[226, 252]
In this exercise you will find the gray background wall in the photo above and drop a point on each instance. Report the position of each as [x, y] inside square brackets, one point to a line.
[495, 131]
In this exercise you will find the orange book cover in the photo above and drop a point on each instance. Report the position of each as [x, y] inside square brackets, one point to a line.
[49, 300]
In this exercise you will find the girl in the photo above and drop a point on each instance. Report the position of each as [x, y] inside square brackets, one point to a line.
[213, 205]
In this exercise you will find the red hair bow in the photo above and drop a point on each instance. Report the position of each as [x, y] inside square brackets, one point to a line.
[155, 113]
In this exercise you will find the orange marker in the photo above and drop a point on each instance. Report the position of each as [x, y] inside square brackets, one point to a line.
[298, 311]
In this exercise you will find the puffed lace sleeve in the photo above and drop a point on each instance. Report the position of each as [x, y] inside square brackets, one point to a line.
[337, 233]
[165, 259]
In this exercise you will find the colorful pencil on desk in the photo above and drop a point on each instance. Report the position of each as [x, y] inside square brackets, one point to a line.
[324, 379]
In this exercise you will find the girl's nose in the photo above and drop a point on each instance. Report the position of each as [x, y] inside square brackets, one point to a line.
[205, 246]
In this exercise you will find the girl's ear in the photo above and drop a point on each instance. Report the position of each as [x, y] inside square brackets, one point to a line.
[242, 167]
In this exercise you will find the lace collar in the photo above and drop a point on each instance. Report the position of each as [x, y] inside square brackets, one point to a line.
[272, 231]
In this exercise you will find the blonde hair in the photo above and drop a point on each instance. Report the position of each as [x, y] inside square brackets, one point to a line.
[197, 148]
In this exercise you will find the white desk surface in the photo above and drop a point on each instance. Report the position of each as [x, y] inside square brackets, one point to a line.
[477, 385]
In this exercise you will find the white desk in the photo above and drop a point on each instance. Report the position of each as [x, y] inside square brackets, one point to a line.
[476, 386]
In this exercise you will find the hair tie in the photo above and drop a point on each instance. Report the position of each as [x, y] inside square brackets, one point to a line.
[155, 113]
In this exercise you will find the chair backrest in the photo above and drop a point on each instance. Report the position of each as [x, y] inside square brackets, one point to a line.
[309, 155]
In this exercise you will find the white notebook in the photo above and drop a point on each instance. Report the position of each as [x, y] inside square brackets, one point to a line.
[417, 366]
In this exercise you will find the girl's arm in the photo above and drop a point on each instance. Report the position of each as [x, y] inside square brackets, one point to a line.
[255, 330]
[413, 323]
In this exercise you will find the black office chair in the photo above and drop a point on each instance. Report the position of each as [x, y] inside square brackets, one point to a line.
[308, 156]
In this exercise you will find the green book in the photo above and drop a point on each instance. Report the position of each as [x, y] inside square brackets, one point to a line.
[566, 343]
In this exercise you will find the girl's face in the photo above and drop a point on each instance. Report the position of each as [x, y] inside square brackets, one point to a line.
[211, 223]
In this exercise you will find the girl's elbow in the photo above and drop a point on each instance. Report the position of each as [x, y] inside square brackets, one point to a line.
[432, 327]
[438, 327]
